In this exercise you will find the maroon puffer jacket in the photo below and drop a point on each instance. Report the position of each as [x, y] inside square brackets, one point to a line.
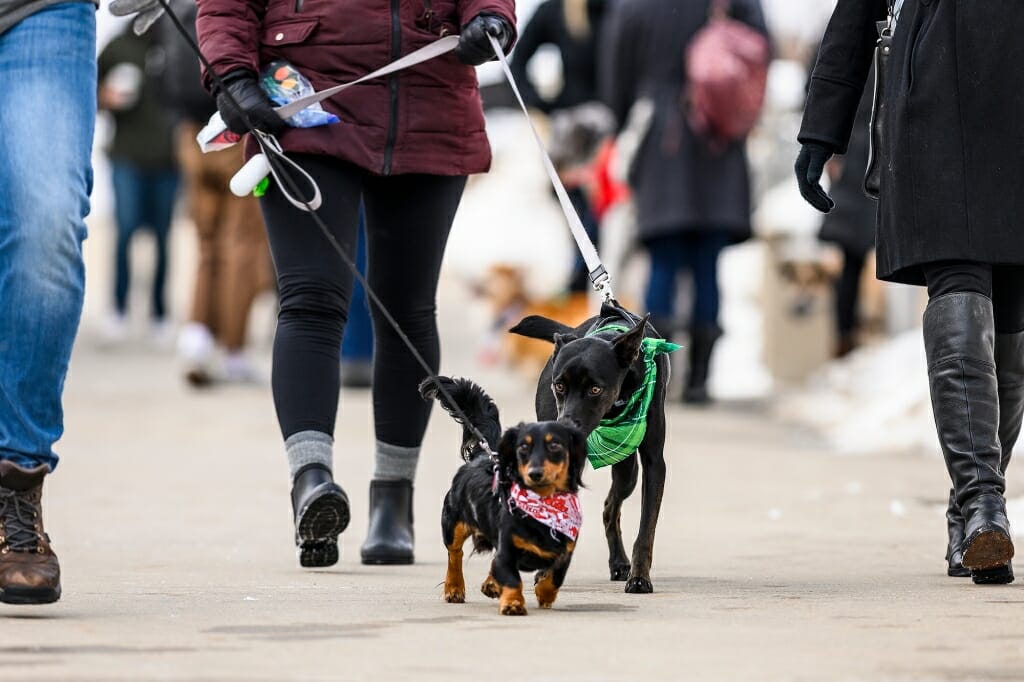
[426, 119]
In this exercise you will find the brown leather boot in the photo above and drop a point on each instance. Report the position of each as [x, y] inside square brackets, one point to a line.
[29, 572]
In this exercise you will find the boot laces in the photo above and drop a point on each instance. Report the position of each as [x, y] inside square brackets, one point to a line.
[19, 516]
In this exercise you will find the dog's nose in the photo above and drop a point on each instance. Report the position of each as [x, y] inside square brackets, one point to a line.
[536, 475]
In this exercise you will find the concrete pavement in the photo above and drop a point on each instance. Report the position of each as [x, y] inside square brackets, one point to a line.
[776, 560]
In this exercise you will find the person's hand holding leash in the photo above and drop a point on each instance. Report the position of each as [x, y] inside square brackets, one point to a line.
[242, 85]
[474, 48]
[147, 11]
[810, 164]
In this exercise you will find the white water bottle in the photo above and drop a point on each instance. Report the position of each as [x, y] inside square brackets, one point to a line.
[248, 176]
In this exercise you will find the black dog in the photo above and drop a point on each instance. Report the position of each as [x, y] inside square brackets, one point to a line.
[526, 508]
[590, 377]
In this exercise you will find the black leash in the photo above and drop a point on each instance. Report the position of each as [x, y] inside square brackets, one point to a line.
[282, 173]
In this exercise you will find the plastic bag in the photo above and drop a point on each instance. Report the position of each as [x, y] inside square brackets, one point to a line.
[284, 84]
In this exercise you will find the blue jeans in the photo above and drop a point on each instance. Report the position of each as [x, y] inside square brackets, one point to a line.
[142, 197]
[47, 115]
[697, 252]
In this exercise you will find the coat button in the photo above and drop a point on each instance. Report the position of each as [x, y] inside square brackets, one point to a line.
[279, 36]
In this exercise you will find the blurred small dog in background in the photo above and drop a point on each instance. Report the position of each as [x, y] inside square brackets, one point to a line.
[504, 289]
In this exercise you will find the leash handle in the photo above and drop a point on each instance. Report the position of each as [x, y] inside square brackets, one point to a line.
[599, 276]
[259, 166]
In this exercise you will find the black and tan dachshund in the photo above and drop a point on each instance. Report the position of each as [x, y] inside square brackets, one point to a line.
[589, 377]
[526, 508]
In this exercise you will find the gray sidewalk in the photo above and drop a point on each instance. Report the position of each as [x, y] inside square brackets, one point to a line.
[775, 560]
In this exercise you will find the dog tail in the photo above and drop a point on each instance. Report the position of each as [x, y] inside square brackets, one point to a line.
[538, 327]
[474, 403]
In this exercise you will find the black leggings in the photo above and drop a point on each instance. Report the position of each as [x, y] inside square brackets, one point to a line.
[408, 218]
[1004, 284]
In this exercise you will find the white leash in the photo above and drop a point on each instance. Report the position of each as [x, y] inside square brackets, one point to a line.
[599, 276]
[258, 167]
[434, 49]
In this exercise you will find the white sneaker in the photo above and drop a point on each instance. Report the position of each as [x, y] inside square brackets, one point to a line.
[161, 334]
[195, 343]
[238, 369]
[115, 329]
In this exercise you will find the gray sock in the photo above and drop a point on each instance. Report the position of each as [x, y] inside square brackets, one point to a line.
[394, 462]
[309, 447]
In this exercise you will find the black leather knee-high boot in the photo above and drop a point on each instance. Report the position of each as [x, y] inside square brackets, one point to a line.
[1009, 356]
[959, 339]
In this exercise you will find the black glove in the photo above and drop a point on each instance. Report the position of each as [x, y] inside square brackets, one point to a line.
[242, 85]
[474, 48]
[810, 164]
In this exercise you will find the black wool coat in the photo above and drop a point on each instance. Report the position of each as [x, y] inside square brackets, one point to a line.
[954, 140]
[681, 183]
[851, 224]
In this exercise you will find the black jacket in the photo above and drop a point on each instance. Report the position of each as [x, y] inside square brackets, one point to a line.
[548, 26]
[851, 224]
[680, 182]
[186, 97]
[143, 133]
[954, 137]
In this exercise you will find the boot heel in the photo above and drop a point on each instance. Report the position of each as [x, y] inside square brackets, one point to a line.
[987, 550]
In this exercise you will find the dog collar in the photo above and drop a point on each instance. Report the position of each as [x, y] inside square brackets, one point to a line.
[560, 512]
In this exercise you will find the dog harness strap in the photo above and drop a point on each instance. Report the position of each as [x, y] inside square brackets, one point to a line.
[616, 438]
[560, 512]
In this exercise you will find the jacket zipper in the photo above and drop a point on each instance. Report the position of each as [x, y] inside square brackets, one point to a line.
[396, 51]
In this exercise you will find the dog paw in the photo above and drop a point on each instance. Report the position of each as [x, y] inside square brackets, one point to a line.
[639, 585]
[455, 595]
[490, 588]
[514, 608]
[619, 573]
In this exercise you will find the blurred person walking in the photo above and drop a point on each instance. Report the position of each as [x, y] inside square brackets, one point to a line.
[948, 214]
[48, 115]
[234, 264]
[143, 167]
[403, 150]
[573, 28]
[851, 226]
[692, 193]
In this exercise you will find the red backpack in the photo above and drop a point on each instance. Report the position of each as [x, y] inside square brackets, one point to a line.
[726, 73]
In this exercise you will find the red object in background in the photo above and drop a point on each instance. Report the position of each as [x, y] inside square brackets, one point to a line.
[607, 190]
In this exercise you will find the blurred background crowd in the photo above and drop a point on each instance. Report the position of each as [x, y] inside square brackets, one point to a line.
[771, 299]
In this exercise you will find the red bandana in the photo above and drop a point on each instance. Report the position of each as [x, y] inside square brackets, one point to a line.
[560, 512]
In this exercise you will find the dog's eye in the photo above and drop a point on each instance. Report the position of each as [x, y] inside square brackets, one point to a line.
[559, 387]
[555, 446]
[523, 448]
[596, 390]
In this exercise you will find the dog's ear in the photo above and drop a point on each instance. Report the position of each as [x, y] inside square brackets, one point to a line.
[577, 458]
[507, 452]
[538, 327]
[561, 340]
[627, 346]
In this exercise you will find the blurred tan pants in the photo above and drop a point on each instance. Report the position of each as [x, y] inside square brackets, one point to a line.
[234, 260]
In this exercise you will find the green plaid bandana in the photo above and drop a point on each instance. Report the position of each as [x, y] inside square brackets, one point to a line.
[617, 438]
